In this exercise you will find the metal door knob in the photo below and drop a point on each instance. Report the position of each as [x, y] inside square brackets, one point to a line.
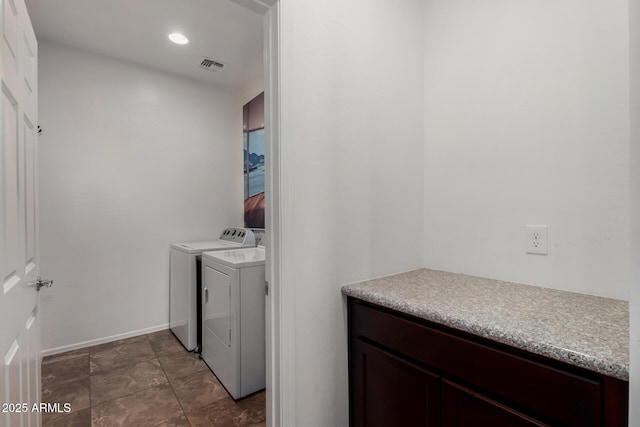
[40, 282]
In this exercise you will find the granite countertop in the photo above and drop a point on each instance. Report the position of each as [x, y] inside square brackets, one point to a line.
[583, 330]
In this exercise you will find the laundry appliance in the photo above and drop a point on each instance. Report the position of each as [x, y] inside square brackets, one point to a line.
[233, 316]
[185, 278]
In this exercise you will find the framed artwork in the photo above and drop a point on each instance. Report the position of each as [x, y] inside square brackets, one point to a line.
[254, 167]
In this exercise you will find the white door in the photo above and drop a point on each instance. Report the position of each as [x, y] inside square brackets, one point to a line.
[19, 258]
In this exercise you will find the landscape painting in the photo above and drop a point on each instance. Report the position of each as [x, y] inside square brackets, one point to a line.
[254, 165]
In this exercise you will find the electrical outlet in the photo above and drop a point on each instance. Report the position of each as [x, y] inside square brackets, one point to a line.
[536, 238]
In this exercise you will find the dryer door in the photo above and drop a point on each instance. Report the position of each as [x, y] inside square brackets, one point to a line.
[217, 305]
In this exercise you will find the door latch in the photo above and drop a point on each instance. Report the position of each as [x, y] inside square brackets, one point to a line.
[40, 283]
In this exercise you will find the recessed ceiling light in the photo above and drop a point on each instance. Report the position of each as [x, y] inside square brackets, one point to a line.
[178, 38]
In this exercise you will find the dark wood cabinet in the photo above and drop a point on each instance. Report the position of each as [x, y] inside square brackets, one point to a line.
[406, 371]
[392, 391]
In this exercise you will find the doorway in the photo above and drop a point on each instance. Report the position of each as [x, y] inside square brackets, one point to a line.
[121, 181]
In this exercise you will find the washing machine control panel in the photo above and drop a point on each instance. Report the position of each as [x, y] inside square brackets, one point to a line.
[243, 236]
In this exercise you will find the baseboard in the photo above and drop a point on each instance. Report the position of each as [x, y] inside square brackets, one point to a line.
[84, 344]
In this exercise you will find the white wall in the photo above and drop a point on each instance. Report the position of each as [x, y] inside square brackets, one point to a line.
[131, 159]
[352, 178]
[526, 122]
[634, 303]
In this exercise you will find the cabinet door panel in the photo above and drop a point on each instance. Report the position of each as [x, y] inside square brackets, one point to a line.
[389, 391]
[464, 408]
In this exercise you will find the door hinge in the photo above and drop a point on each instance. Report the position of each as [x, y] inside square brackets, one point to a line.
[266, 288]
[229, 335]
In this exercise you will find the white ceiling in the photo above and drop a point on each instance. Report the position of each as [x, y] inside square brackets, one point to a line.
[137, 30]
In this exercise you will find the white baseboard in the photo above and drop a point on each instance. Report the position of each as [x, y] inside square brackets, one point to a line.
[84, 344]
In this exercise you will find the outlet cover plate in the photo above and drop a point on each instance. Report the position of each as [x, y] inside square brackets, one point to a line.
[536, 239]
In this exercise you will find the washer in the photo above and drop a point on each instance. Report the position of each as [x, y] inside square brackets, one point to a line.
[233, 331]
[184, 282]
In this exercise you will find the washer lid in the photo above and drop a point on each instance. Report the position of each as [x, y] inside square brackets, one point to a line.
[199, 247]
[246, 257]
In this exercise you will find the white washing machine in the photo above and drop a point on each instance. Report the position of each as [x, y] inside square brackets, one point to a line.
[233, 316]
[184, 282]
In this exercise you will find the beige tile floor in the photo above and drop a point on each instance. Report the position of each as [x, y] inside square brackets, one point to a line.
[150, 380]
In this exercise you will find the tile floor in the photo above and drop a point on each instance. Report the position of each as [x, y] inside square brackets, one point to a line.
[150, 380]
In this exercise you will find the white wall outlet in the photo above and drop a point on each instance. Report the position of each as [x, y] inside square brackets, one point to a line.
[536, 239]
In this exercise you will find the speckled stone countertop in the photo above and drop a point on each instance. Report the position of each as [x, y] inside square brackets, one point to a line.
[583, 330]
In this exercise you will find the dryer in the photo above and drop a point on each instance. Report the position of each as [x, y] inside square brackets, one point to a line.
[233, 316]
[184, 281]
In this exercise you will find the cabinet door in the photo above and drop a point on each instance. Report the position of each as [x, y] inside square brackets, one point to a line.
[462, 407]
[388, 391]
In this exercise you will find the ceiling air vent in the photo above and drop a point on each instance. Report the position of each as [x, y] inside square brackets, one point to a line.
[211, 64]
